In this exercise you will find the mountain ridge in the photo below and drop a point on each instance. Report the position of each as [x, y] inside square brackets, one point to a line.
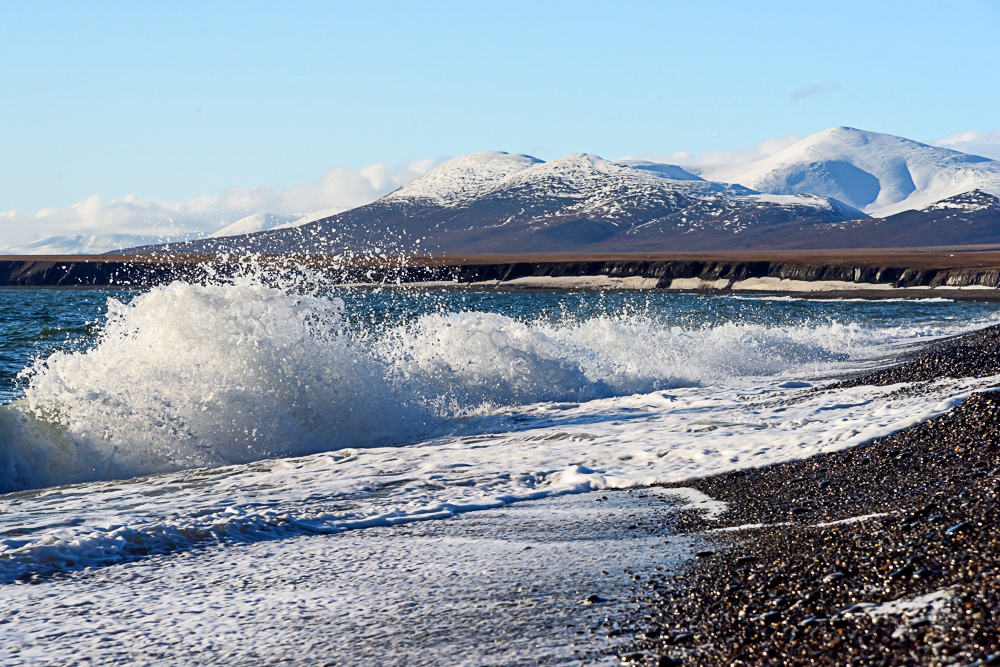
[820, 190]
[471, 205]
[880, 174]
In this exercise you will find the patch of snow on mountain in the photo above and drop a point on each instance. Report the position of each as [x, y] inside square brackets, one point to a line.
[976, 200]
[463, 178]
[584, 175]
[257, 222]
[605, 186]
[578, 169]
[314, 216]
[669, 171]
[880, 174]
[88, 244]
[793, 200]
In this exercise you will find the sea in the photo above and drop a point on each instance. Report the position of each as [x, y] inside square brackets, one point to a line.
[252, 473]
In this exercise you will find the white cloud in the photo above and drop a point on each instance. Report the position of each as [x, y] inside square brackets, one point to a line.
[986, 144]
[94, 225]
[764, 149]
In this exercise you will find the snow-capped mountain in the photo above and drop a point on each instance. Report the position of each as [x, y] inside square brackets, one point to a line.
[814, 194]
[257, 222]
[968, 219]
[880, 174]
[77, 244]
[462, 179]
[496, 202]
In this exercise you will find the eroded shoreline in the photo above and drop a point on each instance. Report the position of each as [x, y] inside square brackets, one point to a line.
[968, 273]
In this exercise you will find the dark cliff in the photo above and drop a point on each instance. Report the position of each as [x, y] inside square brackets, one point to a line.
[915, 270]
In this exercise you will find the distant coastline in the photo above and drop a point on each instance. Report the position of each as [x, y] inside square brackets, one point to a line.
[965, 272]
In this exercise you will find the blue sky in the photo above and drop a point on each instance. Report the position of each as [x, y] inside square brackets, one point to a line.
[175, 100]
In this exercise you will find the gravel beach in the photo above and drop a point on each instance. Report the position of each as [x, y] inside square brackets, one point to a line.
[884, 554]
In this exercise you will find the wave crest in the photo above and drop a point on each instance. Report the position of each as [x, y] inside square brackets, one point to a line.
[203, 375]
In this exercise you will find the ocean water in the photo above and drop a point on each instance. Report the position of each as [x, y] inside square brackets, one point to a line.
[204, 434]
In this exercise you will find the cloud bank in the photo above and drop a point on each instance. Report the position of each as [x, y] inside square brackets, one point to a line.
[986, 144]
[96, 225]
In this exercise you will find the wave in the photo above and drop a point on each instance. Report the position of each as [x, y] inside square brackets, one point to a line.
[189, 375]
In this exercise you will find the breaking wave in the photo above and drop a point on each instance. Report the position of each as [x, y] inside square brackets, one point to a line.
[191, 375]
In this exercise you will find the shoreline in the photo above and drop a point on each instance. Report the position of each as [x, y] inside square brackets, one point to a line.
[961, 273]
[915, 294]
[633, 607]
[886, 553]
[825, 291]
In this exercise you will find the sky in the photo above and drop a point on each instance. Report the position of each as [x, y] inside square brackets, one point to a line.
[185, 102]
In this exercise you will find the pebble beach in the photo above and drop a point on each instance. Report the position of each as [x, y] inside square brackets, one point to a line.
[882, 554]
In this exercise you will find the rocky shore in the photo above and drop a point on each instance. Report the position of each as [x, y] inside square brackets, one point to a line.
[884, 554]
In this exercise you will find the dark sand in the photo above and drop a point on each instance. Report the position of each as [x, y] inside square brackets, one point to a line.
[802, 593]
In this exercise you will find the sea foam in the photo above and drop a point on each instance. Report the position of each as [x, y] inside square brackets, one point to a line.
[188, 376]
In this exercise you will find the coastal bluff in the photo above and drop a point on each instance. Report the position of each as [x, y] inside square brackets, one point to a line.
[974, 270]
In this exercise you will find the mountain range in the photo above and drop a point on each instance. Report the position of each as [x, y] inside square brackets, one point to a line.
[839, 188]
[880, 174]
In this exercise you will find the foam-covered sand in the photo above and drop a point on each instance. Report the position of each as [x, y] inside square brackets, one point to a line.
[507, 587]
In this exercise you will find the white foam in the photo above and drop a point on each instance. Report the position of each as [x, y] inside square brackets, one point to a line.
[850, 520]
[449, 412]
[503, 588]
[607, 443]
[187, 376]
[711, 508]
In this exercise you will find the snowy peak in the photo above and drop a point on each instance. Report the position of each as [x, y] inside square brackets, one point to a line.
[579, 170]
[880, 174]
[584, 185]
[848, 143]
[473, 177]
[463, 178]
